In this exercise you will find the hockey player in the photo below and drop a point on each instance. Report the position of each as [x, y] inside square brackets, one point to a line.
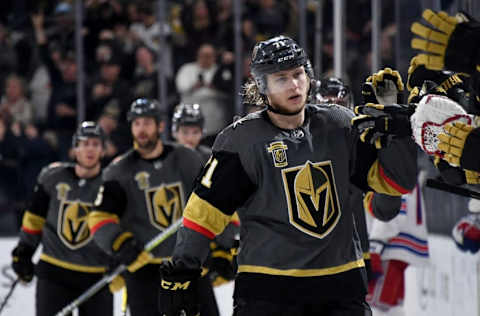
[143, 192]
[57, 217]
[187, 128]
[287, 170]
[334, 90]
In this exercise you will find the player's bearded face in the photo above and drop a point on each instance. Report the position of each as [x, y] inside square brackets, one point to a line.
[288, 89]
[89, 152]
[145, 132]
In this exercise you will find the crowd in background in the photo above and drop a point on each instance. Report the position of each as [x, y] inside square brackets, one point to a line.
[38, 70]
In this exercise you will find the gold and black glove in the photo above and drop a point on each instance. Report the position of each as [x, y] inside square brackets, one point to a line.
[221, 265]
[377, 124]
[178, 290]
[22, 262]
[129, 252]
[383, 87]
[460, 143]
[453, 85]
[448, 42]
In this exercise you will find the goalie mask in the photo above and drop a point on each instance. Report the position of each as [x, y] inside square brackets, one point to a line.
[334, 90]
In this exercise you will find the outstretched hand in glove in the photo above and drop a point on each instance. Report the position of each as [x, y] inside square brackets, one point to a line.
[178, 290]
[377, 124]
[22, 262]
[448, 42]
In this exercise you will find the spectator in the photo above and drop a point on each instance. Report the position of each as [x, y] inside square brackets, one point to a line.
[10, 156]
[194, 84]
[14, 105]
[271, 18]
[200, 26]
[62, 107]
[109, 90]
[8, 58]
[117, 139]
[148, 32]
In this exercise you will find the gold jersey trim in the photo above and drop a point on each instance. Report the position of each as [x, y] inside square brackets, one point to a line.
[205, 215]
[366, 255]
[302, 272]
[379, 183]
[32, 222]
[96, 217]
[71, 266]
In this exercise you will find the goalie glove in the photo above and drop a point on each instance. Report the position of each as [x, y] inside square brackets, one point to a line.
[383, 87]
[466, 233]
[178, 290]
[431, 115]
[377, 124]
[448, 42]
[460, 143]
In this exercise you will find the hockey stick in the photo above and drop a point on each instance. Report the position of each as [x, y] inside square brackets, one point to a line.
[442, 186]
[10, 292]
[157, 240]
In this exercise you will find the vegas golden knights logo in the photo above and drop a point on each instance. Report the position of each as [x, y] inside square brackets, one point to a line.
[279, 153]
[165, 204]
[313, 205]
[72, 224]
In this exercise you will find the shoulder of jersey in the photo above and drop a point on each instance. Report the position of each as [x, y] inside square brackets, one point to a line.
[54, 168]
[244, 124]
[120, 161]
[334, 113]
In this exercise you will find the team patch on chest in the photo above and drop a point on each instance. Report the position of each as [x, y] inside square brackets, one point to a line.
[279, 153]
[312, 199]
[72, 225]
[164, 202]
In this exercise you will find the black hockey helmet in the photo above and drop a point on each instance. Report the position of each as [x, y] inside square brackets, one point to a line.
[88, 129]
[277, 54]
[187, 114]
[144, 107]
[334, 90]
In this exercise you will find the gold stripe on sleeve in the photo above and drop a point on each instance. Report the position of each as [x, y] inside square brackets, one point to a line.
[97, 217]
[205, 215]
[32, 222]
[378, 181]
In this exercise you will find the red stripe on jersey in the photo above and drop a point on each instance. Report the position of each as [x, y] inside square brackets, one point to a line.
[409, 243]
[32, 231]
[102, 223]
[236, 223]
[199, 229]
[392, 183]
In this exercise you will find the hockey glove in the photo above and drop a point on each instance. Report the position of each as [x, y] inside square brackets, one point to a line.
[22, 262]
[383, 87]
[221, 265]
[377, 124]
[448, 42]
[460, 143]
[451, 84]
[127, 251]
[178, 290]
[466, 233]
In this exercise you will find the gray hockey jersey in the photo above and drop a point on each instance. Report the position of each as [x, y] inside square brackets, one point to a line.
[57, 217]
